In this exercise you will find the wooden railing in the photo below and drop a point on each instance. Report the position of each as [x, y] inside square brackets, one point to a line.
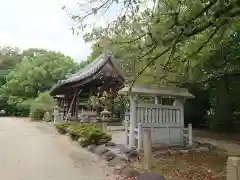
[138, 135]
[159, 114]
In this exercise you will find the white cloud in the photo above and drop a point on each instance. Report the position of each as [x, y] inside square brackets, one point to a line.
[42, 24]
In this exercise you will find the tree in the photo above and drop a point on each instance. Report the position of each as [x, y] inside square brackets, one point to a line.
[41, 105]
[9, 57]
[185, 43]
[36, 73]
[163, 36]
[96, 51]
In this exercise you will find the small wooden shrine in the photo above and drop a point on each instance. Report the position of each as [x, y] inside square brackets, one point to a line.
[73, 92]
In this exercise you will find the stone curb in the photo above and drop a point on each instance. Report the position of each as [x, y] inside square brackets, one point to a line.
[115, 159]
[196, 147]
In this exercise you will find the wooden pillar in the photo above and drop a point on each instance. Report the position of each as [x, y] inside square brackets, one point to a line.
[126, 131]
[133, 120]
[140, 138]
[70, 109]
[77, 103]
[233, 168]
[73, 110]
[180, 119]
[190, 136]
[147, 145]
[156, 100]
[64, 107]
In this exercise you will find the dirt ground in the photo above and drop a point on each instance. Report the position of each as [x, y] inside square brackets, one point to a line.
[34, 151]
[195, 165]
[189, 166]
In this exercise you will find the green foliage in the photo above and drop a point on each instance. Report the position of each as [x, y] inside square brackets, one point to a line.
[88, 134]
[38, 73]
[62, 127]
[42, 104]
[96, 51]
[191, 44]
[24, 75]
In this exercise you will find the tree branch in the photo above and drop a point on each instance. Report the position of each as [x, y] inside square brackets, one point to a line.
[147, 65]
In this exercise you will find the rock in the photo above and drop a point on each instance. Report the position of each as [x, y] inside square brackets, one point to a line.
[150, 176]
[129, 150]
[109, 144]
[91, 147]
[132, 153]
[193, 146]
[109, 156]
[129, 172]
[115, 150]
[103, 141]
[116, 162]
[192, 150]
[100, 150]
[123, 157]
[202, 149]
[211, 147]
[130, 156]
[172, 151]
[183, 151]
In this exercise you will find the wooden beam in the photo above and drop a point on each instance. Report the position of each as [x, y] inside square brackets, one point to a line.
[77, 103]
[70, 108]
[147, 145]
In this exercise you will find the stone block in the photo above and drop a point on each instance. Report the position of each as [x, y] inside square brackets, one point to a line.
[109, 156]
[129, 150]
[109, 144]
[100, 150]
[91, 147]
[129, 172]
[123, 157]
[233, 168]
[202, 149]
[116, 162]
[183, 151]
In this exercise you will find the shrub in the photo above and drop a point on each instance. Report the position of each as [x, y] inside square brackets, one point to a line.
[43, 103]
[75, 132]
[62, 127]
[89, 134]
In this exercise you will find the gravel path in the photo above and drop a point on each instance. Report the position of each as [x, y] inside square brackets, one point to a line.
[34, 151]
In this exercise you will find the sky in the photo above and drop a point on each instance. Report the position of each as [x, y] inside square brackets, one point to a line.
[41, 24]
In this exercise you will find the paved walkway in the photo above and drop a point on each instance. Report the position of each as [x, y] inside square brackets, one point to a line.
[34, 151]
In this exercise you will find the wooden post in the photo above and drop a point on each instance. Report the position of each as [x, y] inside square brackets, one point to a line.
[190, 138]
[56, 115]
[180, 117]
[133, 122]
[77, 103]
[156, 100]
[70, 108]
[147, 147]
[126, 133]
[140, 139]
[233, 168]
[64, 107]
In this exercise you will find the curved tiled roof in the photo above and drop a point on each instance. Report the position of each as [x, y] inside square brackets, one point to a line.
[88, 71]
